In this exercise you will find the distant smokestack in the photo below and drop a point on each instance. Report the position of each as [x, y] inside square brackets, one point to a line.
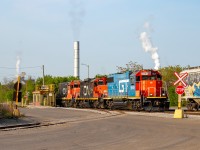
[76, 59]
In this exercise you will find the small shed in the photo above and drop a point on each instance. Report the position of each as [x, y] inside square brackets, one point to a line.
[44, 95]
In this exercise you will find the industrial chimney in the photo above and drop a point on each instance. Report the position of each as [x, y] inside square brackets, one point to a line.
[76, 59]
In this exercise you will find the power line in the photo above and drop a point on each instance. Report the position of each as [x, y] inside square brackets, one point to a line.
[21, 67]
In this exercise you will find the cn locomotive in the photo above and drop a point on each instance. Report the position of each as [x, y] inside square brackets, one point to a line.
[137, 91]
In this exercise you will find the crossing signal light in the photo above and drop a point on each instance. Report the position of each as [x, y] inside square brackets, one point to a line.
[17, 95]
[16, 85]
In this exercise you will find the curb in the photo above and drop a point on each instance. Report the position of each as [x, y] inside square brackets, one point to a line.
[14, 127]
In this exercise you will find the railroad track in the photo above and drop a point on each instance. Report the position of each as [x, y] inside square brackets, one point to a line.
[188, 112]
[171, 111]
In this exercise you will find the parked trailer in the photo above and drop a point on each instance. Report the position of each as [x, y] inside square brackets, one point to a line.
[192, 91]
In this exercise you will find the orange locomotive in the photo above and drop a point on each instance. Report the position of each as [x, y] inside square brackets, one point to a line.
[149, 86]
[87, 93]
[73, 89]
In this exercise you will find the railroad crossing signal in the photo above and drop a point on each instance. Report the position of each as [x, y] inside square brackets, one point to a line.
[16, 86]
[179, 113]
[17, 95]
[180, 78]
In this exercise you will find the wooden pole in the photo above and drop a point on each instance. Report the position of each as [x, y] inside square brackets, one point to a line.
[17, 95]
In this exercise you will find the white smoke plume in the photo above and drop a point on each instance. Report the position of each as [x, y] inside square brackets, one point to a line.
[17, 66]
[148, 47]
[76, 13]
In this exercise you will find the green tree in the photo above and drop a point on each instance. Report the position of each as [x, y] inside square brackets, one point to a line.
[100, 75]
[28, 88]
[169, 78]
[6, 91]
[173, 97]
[48, 79]
[131, 66]
[168, 74]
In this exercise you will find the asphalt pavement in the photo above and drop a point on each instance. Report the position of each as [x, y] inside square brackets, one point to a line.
[33, 118]
[36, 116]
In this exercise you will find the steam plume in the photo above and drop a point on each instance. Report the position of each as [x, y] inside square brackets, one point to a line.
[76, 14]
[17, 66]
[148, 47]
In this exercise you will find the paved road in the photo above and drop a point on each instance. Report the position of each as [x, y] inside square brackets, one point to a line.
[106, 132]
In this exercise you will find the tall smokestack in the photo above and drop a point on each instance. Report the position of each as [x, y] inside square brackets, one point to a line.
[76, 59]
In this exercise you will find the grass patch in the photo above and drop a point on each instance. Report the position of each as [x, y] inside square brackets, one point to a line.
[6, 111]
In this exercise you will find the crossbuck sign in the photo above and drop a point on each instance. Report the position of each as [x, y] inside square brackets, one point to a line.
[180, 78]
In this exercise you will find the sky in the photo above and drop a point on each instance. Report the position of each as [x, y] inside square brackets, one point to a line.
[111, 33]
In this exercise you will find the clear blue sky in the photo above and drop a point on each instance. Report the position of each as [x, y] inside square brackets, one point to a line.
[41, 32]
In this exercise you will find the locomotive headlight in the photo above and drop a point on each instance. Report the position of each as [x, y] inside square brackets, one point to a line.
[163, 94]
[151, 94]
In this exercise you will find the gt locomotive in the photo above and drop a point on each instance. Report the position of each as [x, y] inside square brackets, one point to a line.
[137, 91]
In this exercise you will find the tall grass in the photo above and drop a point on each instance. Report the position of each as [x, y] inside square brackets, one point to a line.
[6, 110]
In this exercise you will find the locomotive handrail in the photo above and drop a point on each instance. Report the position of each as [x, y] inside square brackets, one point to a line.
[162, 90]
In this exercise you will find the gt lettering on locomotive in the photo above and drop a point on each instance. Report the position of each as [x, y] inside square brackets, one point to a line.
[123, 85]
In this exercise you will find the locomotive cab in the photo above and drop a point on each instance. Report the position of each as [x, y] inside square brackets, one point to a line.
[149, 84]
[149, 88]
[100, 87]
[73, 89]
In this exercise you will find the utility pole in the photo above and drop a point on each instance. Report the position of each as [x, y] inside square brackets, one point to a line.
[18, 89]
[43, 73]
[87, 67]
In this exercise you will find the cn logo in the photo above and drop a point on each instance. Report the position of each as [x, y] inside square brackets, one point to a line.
[87, 90]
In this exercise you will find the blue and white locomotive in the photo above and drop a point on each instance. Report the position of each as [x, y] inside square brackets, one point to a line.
[140, 91]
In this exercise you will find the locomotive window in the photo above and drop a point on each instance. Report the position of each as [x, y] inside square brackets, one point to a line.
[132, 80]
[110, 80]
[145, 77]
[138, 78]
[100, 83]
[76, 85]
[159, 77]
[95, 83]
[153, 77]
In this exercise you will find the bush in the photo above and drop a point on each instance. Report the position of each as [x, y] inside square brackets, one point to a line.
[173, 96]
[6, 111]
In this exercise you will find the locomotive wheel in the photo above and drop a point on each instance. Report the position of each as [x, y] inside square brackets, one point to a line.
[109, 104]
[101, 103]
[150, 106]
[134, 105]
[70, 103]
[95, 104]
[190, 106]
[90, 104]
[137, 105]
[82, 104]
[129, 105]
[64, 104]
[74, 103]
[197, 107]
